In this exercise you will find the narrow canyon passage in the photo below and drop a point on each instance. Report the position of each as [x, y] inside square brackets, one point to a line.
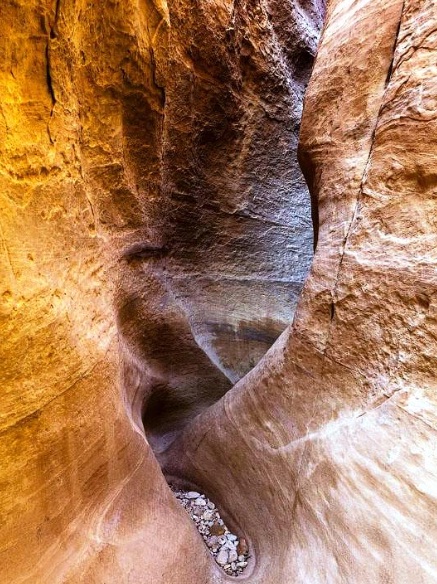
[342, 409]
[212, 277]
[158, 324]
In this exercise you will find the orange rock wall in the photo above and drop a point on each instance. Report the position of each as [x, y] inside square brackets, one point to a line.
[323, 455]
[72, 461]
[147, 180]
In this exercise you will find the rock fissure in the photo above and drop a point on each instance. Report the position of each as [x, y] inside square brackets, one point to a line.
[356, 209]
[49, 78]
[53, 28]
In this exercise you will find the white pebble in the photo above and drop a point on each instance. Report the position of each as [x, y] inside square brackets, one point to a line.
[192, 495]
[206, 516]
[222, 557]
[233, 556]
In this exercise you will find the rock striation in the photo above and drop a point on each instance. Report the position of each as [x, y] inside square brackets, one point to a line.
[340, 416]
[155, 235]
[146, 171]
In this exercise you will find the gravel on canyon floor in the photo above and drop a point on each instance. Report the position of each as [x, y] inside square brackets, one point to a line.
[229, 551]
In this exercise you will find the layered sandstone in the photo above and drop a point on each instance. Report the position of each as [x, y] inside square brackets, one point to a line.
[155, 235]
[322, 457]
[326, 449]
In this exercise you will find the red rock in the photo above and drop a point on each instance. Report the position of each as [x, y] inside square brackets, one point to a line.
[147, 180]
[145, 170]
[335, 473]
[242, 547]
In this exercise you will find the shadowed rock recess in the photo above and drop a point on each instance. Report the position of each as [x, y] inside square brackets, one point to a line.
[155, 234]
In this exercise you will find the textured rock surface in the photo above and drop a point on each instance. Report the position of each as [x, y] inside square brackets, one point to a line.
[336, 426]
[72, 463]
[230, 212]
[145, 162]
[323, 456]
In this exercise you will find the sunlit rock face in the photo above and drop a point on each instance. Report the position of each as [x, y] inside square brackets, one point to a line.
[325, 453]
[137, 145]
[155, 234]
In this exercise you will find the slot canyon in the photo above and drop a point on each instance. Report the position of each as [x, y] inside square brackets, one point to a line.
[218, 271]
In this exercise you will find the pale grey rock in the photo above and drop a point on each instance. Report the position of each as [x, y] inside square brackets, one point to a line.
[192, 495]
[222, 557]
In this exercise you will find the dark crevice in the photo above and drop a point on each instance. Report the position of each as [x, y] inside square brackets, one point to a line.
[315, 221]
[143, 251]
[49, 76]
[159, 87]
[390, 69]
[332, 311]
[52, 34]
[54, 29]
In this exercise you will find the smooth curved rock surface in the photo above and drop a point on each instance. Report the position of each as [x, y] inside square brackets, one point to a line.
[322, 456]
[148, 183]
[326, 450]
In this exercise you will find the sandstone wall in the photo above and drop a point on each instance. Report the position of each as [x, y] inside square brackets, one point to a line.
[324, 454]
[154, 239]
[112, 132]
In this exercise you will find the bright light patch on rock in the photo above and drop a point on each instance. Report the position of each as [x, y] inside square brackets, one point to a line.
[229, 551]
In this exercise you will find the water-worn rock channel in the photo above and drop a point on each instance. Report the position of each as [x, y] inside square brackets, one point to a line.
[229, 551]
